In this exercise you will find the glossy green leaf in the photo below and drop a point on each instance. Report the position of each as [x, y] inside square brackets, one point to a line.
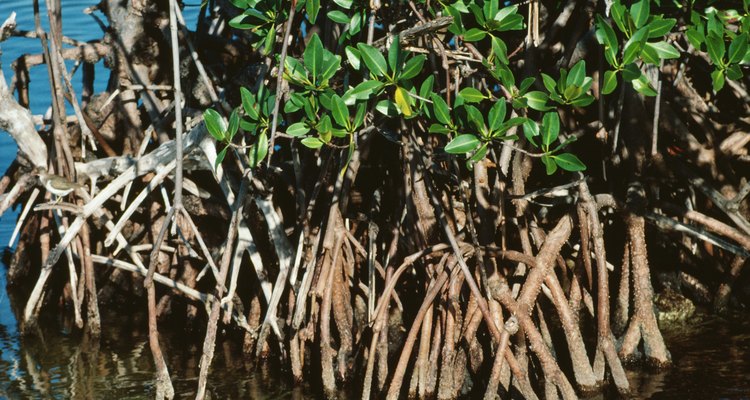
[312, 8]
[537, 100]
[312, 143]
[550, 128]
[577, 74]
[717, 80]
[220, 156]
[610, 82]
[496, 115]
[387, 108]
[234, 124]
[364, 90]
[413, 67]
[569, 162]
[462, 144]
[640, 12]
[474, 34]
[441, 109]
[605, 34]
[373, 59]
[297, 129]
[634, 45]
[215, 124]
[716, 50]
[339, 111]
[643, 86]
[660, 27]
[549, 82]
[338, 17]
[549, 164]
[665, 50]
[471, 95]
[353, 56]
[531, 131]
[313, 56]
[738, 48]
[441, 129]
[395, 56]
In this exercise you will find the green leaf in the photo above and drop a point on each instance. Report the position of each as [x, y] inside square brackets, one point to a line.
[549, 164]
[660, 27]
[610, 82]
[425, 90]
[471, 95]
[618, 15]
[715, 46]
[572, 92]
[526, 84]
[297, 129]
[387, 108]
[549, 82]
[234, 124]
[220, 157]
[258, 150]
[569, 162]
[312, 8]
[364, 90]
[531, 131]
[577, 74]
[269, 41]
[537, 100]
[550, 128]
[413, 67]
[500, 49]
[477, 156]
[313, 56]
[324, 126]
[640, 12]
[605, 34]
[634, 45]
[631, 72]
[643, 86]
[339, 111]
[359, 117]
[665, 50]
[331, 65]
[695, 37]
[338, 17]
[442, 111]
[373, 59]
[476, 118]
[734, 72]
[312, 142]
[474, 34]
[738, 48]
[215, 124]
[441, 129]
[497, 115]
[462, 144]
[717, 79]
[510, 23]
[395, 56]
[353, 56]
[248, 103]
[583, 101]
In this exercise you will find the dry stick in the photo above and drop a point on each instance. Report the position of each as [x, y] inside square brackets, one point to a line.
[398, 374]
[605, 347]
[213, 319]
[58, 105]
[177, 202]
[326, 352]
[93, 323]
[24, 213]
[657, 108]
[496, 334]
[622, 309]
[280, 79]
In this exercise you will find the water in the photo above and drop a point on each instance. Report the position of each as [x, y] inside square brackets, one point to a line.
[711, 361]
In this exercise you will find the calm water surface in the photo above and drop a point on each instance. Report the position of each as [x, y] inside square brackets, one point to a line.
[711, 362]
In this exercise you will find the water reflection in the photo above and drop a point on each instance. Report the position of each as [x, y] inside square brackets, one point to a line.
[58, 365]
